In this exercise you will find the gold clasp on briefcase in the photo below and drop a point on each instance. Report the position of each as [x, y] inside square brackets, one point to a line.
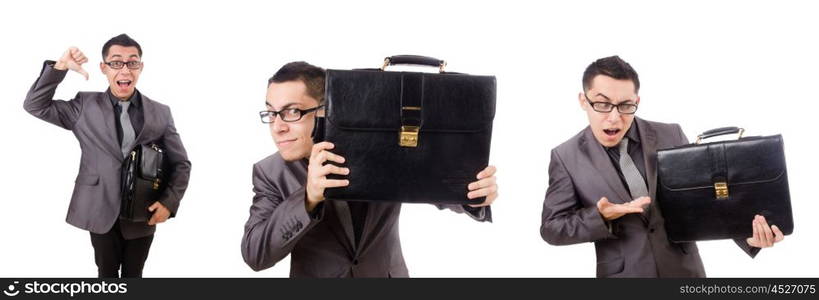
[721, 189]
[408, 136]
[156, 184]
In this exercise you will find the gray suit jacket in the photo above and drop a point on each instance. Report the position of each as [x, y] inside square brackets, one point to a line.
[635, 245]
[322, 243]
[95, 202]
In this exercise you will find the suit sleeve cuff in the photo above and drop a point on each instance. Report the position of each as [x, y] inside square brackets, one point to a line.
[483, 214]
[301, 220]
[318, 212]
[50, 73]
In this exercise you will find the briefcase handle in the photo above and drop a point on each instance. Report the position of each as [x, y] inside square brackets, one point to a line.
[720, 131]
[414, 60]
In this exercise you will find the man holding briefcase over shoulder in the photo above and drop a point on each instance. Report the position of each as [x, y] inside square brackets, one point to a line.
[108, 125]
[290, 215]
[603, 181]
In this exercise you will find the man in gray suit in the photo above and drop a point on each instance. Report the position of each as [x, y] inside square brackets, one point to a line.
[602, 180]
[108, 125]
[289, 214]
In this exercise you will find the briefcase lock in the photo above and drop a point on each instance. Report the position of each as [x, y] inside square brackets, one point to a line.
[408, 136]
[156, 184]
[721, 189]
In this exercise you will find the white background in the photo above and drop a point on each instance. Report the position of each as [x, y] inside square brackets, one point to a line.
[703, 64]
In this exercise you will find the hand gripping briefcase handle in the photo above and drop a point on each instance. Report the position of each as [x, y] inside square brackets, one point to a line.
[720, 131]
[414, 60]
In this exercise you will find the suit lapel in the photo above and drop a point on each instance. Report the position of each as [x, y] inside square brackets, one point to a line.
[649, 144]
[605, 169]
[111, 140]
[149, 117]
[370, 228]
[346, 220]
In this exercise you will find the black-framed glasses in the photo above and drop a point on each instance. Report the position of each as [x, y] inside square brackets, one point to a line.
[606, 107]
[287, 114]
[133, 65]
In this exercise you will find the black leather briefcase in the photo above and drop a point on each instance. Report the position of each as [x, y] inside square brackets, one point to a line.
[711, 191]
[409, 136]
[143, 181]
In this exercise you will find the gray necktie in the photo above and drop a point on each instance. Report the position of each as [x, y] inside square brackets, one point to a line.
[128, 134]
[636, 184]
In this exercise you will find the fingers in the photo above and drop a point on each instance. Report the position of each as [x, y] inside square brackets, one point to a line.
[319, 147]
[489, 171]
[626, 209]
[75, 55]
[489, 200]
[769, 236]
[760, 236]
[604, 207]
[778, 235]
[73, 59]
[633, 206]
[83, 72]
[78, 57]
[755, 239]
[486, 186]
[611, 211]
[640, 202]
[332, 169]
[602, 204]
[320, 154]
[325, 155]
[159, 216]
[68, 55]
[317, 171]
[331, 183]
[483, 183]
[483, 192]
[325, 170]
[156, 219]
[322, 172]
[74, 50]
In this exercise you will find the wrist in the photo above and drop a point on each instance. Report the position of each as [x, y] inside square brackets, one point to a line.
[310, 203]
[60, 65]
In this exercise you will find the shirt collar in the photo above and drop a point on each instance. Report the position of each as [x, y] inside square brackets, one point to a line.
[633, 133]
[135, 98]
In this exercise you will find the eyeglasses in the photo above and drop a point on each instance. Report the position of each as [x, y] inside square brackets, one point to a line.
[133, 65]
[287, 114]
[606, 107]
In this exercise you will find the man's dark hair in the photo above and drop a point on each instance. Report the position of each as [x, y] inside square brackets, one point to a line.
[612, 66]
[120, 40]
[310, 75]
